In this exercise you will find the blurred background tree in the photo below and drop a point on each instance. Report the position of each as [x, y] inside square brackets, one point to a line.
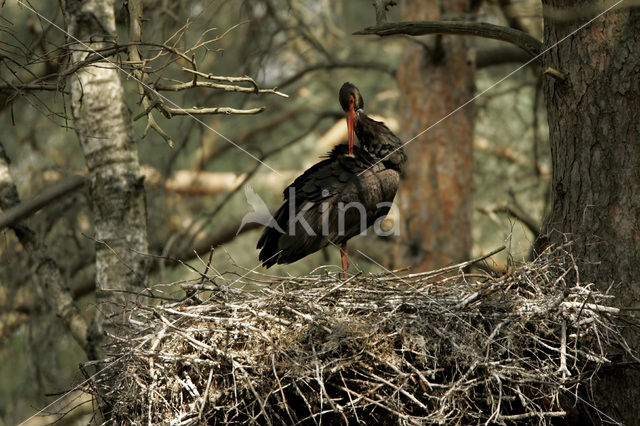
[436, 76]
[196, 167]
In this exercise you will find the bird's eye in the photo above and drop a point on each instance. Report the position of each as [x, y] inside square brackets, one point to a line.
[351, 100]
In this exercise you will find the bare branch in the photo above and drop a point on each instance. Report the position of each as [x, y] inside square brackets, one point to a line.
[225, 78]
[514, 211]
[135, 33]
[500, 55]
[552, 72]
[216, 110]
[197, 182]
[29, 86]
[262, 128]
[523, 416]
[53, 193]
[225, 87]
[480, 29]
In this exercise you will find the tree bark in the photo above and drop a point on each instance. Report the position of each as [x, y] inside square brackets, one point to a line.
[594, 126]
[103, 125]
[435, 196]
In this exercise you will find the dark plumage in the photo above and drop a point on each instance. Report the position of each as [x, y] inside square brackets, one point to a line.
[369, 176]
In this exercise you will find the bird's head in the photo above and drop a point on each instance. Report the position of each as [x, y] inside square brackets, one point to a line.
[350, 98]
[351, 101]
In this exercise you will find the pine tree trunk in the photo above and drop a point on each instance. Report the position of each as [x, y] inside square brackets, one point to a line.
[435, 195]
[103, 125]
[594, 125]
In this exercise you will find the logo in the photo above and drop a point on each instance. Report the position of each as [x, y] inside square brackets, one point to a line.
[331, 218]
[260, 213]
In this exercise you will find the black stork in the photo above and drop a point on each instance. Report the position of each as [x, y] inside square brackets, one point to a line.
[342, 195]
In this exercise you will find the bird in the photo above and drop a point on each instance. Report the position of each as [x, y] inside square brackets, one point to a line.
[340, 196]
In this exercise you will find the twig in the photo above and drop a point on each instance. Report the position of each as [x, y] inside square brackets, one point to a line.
[217, 110]
[590, 306]
[529, 415]
[457, 266]
[552, 72]
[386, 349]
[563, 352]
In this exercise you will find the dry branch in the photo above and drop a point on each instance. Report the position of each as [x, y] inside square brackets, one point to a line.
[419, 349]
[197, 182]
[55, 192]
[216, 110]
[149, 99]
[226, 87]
[480, 29]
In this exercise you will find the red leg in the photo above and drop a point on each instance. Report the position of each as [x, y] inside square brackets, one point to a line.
[345, 261]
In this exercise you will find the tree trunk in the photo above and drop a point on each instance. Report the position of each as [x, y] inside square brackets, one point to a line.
[435, 195]
[594, 126]
[103, 125]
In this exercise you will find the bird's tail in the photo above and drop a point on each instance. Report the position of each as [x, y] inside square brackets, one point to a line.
[268, 242]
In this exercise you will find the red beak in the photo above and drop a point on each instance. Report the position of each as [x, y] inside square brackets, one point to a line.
[351, 115]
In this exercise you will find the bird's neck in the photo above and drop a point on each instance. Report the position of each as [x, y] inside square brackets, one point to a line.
[378, 141]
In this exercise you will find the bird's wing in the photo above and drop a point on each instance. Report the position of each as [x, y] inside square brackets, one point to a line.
[300, 217]
[366, 198]
[328, 177]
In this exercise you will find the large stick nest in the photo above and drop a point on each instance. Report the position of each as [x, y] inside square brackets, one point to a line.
[438, 347]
